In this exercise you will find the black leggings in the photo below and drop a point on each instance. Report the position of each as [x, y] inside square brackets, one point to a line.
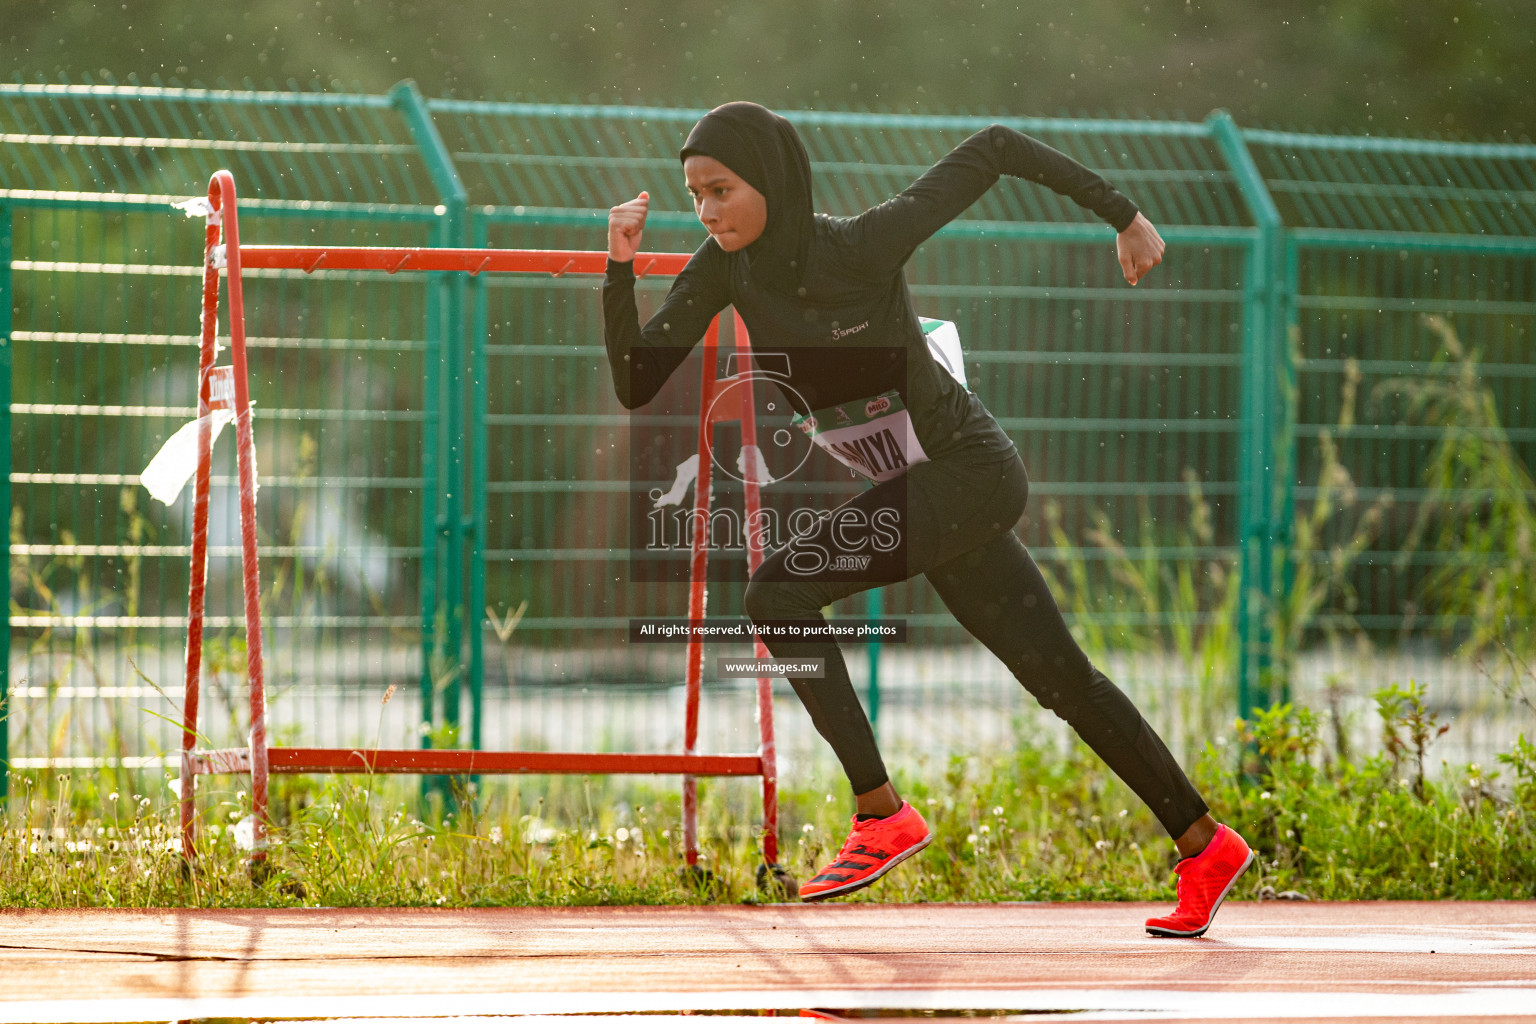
[956, 528]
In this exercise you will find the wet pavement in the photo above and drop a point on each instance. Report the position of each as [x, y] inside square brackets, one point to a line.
[1273, 960]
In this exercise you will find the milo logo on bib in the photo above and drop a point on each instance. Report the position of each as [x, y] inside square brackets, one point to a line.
[873, 437]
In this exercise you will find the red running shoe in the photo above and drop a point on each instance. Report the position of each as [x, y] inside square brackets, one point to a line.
[1204, 881]
[873, 848]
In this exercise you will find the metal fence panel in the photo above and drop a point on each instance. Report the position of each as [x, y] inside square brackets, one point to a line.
[1398, 252]
[436, 451]
[104, 288]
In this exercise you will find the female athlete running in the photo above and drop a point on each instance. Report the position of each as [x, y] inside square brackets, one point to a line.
[948, 483]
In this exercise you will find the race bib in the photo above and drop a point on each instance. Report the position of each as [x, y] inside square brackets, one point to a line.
[874, 436]
[871, 436]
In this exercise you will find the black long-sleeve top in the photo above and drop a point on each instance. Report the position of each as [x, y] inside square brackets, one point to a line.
[851, 332]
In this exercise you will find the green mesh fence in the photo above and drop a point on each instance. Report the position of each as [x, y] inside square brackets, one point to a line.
[103, 285]
[444, 468]
[1397, 255]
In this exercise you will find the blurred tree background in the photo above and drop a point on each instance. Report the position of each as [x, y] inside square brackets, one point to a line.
[1461, 68]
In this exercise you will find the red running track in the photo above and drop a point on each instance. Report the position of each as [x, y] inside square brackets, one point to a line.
[1292, 961]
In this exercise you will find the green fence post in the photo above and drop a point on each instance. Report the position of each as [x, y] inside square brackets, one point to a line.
[442, 607]
[451, 289]
[5, 495]
[444, 332]
[1264, 349]
[1285, 494]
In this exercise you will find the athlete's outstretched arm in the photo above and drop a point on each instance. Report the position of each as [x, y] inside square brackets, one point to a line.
[887, 234]
[642, 358]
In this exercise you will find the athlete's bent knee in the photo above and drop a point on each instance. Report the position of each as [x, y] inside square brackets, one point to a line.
[767, 600]
[1065, 686]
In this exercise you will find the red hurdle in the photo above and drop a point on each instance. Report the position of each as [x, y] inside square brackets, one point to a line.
[223, 251]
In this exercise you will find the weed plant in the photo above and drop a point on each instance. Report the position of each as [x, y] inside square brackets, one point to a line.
[1484, 512]
[1379, 828]
[1189, 602]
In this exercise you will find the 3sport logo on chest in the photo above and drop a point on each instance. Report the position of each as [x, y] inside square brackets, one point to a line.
[839, 333]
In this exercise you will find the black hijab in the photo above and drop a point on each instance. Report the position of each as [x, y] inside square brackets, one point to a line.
[766, 152]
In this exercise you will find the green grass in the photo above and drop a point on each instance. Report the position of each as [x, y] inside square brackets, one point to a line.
[1035, 824]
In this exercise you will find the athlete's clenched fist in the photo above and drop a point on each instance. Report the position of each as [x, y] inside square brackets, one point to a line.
[625, 223]
[1139, 247]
